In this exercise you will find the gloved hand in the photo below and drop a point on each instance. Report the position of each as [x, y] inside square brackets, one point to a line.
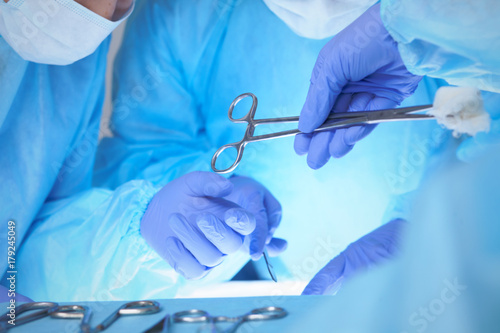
[359, 69]
[192, 226]
[255, 198]
[370, 250]
[4, 296]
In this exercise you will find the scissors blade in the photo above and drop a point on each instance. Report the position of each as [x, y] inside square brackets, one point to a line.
[270, 267]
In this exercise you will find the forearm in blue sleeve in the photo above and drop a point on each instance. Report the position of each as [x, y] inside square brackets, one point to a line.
[159, 131]
[88, 247]
[458, 41]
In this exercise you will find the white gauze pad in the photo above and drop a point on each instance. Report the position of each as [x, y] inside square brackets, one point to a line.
[461, 109]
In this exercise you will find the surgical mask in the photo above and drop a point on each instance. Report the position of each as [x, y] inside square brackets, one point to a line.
[56, 32]
[318, 19]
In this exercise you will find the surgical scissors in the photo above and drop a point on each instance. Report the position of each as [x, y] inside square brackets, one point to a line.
[129, 309]
[46, 308]
[75, 312]
[199, 316]
[335, 120]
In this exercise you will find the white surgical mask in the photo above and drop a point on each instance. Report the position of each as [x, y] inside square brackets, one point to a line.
[56, 32]
[318, 19]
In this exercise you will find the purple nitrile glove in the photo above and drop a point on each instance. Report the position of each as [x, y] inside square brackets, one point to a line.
[5, 297]
[370, 250]
[359, 69]
[191, 226]
[254, 197]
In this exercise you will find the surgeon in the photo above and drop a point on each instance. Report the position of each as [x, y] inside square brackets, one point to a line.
[174, 83]
[382, 55]
[59, 33]
[38, 32]
[105, 242]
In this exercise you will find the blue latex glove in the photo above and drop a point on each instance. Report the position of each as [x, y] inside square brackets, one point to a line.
[192, 226]
[371, 249]
[255, 198]
[359, 69]
[4, 296]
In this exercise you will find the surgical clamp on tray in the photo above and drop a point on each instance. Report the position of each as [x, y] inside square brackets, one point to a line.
[44, 309]
[334, 121]
[81, 312]
[201, 316]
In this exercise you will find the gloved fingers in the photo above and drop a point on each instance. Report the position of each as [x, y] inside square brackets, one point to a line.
[254, 203]
[319, 147]
[240, 220]
[274, 213]
[219, 233]
[361, 102]
[345, 138]
[257, 200]
[382, 242]
[380, 103]
[302, 142]
[355, 133]
[328, 280]
[342, 103]
[318, 151]
[195, 241]
[374, 248]
[208, 184]
[182, 261]
[258, 238]
[276, 246]
[321, 97]
[337, 147]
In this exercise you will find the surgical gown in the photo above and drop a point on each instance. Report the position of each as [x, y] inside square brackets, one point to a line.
[180, 67]
[446, 277]
[454, 40]
[73, 242]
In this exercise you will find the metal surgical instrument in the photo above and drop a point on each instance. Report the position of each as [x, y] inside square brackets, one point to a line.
[335, 120]
[75, 312]
[200, 316]
[129, 309]
[270, 267]
[45, 309]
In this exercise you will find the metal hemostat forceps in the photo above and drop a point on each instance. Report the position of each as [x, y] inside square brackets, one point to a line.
[129, 309]
[335, 120]
[200, 316]
[44, 310]
[77, 312]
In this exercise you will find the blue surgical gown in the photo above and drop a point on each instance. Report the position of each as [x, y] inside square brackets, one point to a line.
[446, 278]
[73, 242]
[180, 67]
[454, 40]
